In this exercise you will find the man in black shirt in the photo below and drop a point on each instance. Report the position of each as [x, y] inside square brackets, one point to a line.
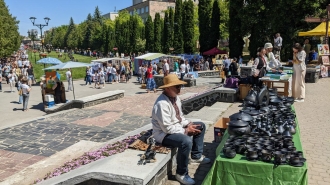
[30, 75]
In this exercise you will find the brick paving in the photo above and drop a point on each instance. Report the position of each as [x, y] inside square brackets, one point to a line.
[12, 162]
[314, 122]
[27, 143]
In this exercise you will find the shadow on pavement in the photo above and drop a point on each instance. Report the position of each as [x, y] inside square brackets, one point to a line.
[16, 109]
[16, 102]
[40, 106]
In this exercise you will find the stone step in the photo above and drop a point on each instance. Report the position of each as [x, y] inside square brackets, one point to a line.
[122, 168]
[209, 114]
[186, 95]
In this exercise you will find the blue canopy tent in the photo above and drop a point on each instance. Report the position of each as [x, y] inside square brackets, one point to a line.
[49, 60]
[70, 65]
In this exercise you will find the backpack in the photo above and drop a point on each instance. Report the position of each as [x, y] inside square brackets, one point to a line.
[231, 82]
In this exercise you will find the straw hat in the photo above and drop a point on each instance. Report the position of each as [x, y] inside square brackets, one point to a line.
[268, 45]
[171, 80]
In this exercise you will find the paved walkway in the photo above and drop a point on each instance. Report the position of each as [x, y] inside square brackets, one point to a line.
[314, 121]
[25, 143]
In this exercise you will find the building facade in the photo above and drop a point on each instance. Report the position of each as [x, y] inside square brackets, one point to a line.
[111, 15]
[144, 8]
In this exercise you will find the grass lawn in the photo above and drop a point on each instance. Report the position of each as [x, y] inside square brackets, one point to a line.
[77, 73]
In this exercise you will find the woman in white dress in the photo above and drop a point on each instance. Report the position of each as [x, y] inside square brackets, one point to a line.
[299, 72]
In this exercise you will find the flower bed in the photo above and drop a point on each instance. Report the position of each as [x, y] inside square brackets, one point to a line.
[89, 157]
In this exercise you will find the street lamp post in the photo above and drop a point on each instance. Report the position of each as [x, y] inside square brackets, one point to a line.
[40, 26]
[32, 35]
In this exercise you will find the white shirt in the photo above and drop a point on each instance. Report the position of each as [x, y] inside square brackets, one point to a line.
[164, 120]
[68, 75]
[114, 70]
[25, 88]
[278, 41]
[11, 77]
[166, 67]
[273, 62]
[183, 68]
[109, 69]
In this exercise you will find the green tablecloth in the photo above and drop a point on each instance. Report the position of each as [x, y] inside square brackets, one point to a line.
[238, 171]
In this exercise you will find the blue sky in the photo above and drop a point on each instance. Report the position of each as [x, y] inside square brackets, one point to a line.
[59, 11]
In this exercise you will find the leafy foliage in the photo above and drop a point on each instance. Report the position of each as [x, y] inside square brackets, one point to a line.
[9, 36]
[204, 16]
[178, 36]
[215, 23]
[157, 34]
[236, 35]
[149, 34]
[188, 27]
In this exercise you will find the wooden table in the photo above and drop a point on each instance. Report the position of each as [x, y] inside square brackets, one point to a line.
[270, 84]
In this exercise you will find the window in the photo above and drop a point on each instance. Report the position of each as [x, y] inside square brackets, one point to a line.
[138, 11]
[147, 8]
[142, 10]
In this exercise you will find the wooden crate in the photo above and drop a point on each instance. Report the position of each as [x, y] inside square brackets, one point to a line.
[243, 90]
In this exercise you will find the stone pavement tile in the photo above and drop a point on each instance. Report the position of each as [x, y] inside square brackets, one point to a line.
[100, 121]
[11, 164]
[313, 118]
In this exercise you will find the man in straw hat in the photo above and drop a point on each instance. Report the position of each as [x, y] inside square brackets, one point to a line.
[170, 128]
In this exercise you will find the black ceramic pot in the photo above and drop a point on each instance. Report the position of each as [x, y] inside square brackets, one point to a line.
[241, 116]
[238, 127]
[229, 153]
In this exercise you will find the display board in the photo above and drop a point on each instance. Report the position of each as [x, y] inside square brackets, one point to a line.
[323, 49]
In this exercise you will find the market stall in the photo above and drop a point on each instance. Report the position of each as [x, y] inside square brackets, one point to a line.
[145, 59]
[261, 146]
[47, 90]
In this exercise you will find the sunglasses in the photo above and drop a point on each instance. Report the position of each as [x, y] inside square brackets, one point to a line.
[178, 86]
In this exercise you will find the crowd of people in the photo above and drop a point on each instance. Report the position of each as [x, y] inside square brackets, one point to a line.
[17, 71]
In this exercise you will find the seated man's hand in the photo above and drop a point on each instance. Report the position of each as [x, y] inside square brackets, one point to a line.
[274, 70]
[193, 129]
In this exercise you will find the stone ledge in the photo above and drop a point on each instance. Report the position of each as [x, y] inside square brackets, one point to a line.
[87, 101]
[220, 94]
[121, 168]
[208, 73]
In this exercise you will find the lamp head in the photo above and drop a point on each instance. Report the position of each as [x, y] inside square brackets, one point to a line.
[47, 20]
[33, 19]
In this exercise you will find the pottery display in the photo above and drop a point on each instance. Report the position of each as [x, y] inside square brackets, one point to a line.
[238, 127]
[263, 132]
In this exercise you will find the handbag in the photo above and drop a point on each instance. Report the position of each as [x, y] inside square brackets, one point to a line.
[20, 92]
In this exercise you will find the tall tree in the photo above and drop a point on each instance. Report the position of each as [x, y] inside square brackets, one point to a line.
[224, 19]
[165, 39]
[188, 27]
[73, 39]
[215, 24]
[178, 35]
[135, 30]
[157, 34]
[97, 15]
[204, 16]
[68, 32]
[9, 35]
[88, 32]
[170, 27]
[149, 35]
[236, 36]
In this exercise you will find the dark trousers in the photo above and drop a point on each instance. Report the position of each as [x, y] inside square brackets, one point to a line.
[186, 145]
[0, 86]
[256, 81]
[58, 97]
[88, 79]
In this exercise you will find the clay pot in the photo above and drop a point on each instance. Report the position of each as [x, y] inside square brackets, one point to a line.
[241, 116]
[266, 155]
[238, 127]
[229, 153]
